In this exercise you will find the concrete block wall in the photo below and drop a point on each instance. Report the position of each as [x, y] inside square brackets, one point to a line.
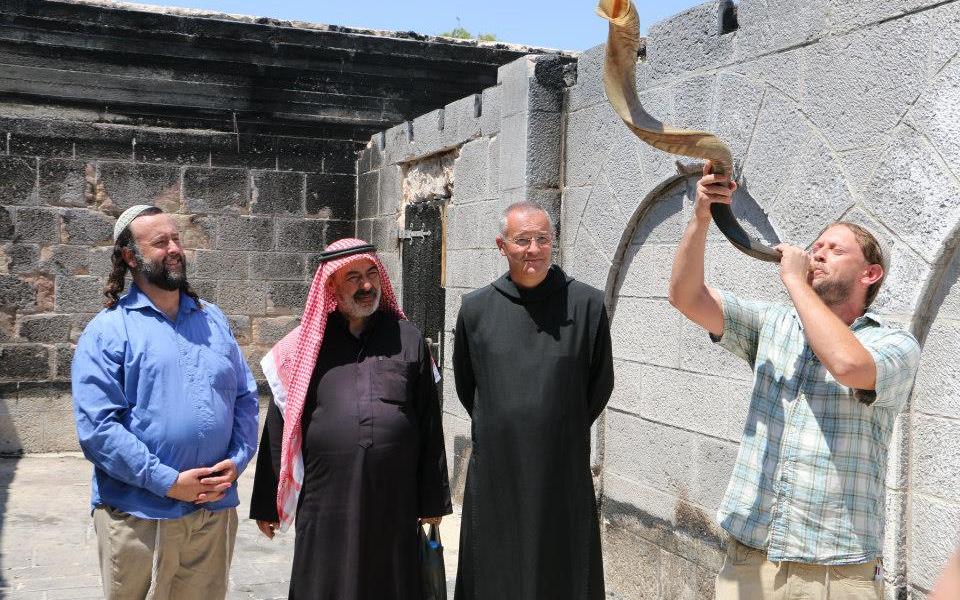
[253, 217]
[832, 112]
[479, 155]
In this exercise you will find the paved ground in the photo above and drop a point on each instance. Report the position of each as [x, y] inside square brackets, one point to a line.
[48, 548]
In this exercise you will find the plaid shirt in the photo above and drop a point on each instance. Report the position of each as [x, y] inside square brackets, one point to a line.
[808, 484]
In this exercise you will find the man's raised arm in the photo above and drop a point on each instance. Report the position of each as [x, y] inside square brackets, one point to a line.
[688, 290]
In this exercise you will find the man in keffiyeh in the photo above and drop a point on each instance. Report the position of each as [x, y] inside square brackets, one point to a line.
[353, 444]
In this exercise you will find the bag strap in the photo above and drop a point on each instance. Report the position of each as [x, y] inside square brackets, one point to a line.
[434, 537]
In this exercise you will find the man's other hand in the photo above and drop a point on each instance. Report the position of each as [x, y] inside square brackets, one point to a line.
[221, 477]
[188, 487]
[268, 528]
[795, 264]
[430, 520]
[224, 471]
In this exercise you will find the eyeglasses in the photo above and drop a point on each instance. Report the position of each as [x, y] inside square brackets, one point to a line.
[524, 242]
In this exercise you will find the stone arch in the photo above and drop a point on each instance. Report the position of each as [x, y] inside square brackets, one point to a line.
[930, 516]
[620, 259]
[747, 210]
[668, 401]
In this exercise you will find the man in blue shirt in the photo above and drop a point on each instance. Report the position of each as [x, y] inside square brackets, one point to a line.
[166, 411]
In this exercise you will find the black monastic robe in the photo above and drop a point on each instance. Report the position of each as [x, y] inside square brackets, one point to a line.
[374, 462]
[534, 369]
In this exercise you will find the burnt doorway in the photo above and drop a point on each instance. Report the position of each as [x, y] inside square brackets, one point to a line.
[422, 264]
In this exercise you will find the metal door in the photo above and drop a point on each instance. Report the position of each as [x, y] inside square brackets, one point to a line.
[422, 264]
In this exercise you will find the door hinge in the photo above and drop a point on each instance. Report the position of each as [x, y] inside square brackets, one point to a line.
[406, 234]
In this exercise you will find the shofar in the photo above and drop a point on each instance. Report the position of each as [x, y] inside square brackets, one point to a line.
[619, 80]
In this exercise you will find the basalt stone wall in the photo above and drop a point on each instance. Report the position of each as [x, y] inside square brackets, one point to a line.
[245, 129]
[251, 235]
[833, 110]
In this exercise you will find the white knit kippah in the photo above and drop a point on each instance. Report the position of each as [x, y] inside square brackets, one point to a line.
[126, 217]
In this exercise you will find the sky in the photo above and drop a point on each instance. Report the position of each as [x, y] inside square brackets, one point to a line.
[560, 24]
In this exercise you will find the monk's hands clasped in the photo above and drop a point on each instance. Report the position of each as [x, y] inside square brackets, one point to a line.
[796, 265]
[712, 189]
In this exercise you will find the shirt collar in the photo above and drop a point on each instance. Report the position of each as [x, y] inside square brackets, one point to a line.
[555, 280]
[865, 320]
[337, 319]
[136, 299]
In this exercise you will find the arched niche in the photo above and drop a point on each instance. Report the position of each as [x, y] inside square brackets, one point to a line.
[674, 422]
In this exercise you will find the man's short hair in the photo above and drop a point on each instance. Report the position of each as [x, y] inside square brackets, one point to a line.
[523, 206]
[872, 252]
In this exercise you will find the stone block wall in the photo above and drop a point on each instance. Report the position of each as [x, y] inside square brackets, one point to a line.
[253, 213]
[833, 110]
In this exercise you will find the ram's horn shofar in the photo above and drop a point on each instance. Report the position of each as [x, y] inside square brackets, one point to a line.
[619, 80]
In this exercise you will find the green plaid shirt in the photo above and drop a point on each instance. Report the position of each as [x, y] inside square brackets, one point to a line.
[808, 484]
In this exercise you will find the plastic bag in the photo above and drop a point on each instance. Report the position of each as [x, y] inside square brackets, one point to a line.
[433, 574]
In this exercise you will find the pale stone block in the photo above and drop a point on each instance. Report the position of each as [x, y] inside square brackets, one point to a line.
[935, 526]
[792, 174]
[919, 199]
[646, 331]
[470, 172]
[635, 449]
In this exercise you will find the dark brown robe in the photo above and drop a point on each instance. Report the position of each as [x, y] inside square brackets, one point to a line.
[374, 462]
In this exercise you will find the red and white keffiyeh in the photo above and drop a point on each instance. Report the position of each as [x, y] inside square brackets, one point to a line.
[289, 365]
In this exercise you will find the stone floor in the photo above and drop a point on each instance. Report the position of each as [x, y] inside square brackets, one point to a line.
[48, 547]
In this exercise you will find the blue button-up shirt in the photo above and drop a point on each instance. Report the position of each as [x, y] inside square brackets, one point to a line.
[808, 484]
[154, 397]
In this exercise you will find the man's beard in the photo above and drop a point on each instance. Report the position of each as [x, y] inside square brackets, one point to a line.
[350, 305]
[833, 292]
[157, 272]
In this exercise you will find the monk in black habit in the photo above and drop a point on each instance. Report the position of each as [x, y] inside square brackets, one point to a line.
[368, 455]
[533, 367]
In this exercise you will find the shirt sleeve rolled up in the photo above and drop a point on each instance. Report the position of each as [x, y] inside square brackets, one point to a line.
[897, 358]
[742, 321]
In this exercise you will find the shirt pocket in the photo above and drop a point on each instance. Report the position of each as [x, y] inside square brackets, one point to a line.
[741, 555]
[221, 375]
[858, 577]
[390, 380]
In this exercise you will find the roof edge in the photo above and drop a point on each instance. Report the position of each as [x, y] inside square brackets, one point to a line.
[200, 13]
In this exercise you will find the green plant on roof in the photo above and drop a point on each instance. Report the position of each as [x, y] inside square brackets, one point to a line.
[462, 33]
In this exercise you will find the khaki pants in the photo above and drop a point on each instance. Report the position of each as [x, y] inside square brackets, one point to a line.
[182, 559]
[748, 575]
